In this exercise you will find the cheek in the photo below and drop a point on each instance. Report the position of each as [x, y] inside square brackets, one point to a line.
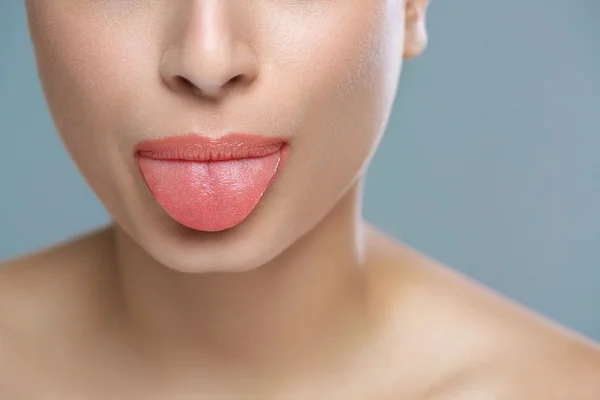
[345, 67]
[88, 70]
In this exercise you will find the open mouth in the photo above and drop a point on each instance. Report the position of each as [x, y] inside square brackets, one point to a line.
[206, 184]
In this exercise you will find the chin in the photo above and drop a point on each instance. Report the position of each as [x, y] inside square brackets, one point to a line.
[245, 247]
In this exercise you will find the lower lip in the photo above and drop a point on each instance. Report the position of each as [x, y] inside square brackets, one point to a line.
[209, 185]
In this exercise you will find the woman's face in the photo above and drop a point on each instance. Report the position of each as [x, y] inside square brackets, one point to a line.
[322, 74]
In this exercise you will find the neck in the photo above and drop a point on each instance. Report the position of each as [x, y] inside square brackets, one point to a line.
[300, 303]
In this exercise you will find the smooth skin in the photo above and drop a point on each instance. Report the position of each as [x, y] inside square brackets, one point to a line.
[302, 300]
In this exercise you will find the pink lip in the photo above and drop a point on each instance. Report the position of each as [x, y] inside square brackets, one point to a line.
[210, 185]
[193, 147]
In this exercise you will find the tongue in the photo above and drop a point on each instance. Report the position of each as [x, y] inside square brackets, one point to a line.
[209, 196]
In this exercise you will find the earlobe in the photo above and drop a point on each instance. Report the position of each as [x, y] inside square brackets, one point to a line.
[415, 40]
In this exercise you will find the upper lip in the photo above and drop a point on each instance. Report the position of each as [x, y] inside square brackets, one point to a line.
[194, 147]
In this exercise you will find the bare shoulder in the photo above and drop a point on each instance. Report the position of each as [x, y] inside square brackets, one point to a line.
[29, 284]
[567, 370]
[481, 344]
[39, 293]
[34, 274]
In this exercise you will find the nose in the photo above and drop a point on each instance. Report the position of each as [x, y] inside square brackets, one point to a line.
[208, 59]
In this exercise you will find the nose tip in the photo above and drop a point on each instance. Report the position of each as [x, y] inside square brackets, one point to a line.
[208, 72]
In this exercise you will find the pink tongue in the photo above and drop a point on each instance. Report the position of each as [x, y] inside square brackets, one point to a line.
[209, 196]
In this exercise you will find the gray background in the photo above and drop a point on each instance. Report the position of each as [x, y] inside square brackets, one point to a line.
[489, 164]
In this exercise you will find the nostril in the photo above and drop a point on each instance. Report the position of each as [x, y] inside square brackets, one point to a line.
[233, 81]
[183, 83]
[236, 79]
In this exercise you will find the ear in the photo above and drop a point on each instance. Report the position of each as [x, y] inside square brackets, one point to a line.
[415, 38]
